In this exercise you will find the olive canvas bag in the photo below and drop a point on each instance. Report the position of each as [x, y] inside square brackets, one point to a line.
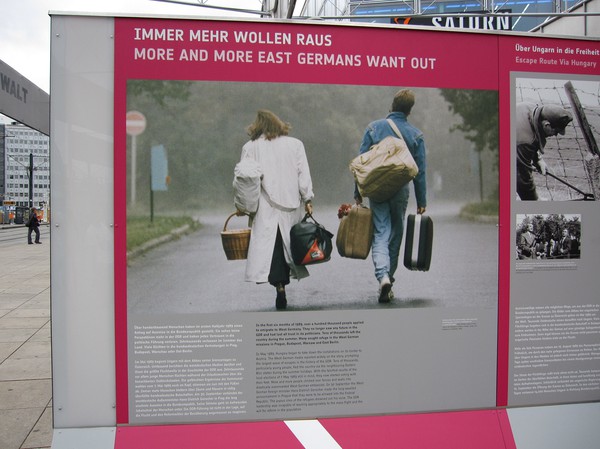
[385, 168]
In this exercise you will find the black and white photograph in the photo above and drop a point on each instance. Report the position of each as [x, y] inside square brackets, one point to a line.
[556, 127]
[548, 237]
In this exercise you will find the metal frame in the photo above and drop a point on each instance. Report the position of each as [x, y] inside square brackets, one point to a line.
[486, 5]
[286, 9]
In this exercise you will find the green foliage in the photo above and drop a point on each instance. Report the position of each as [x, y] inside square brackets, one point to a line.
[485, 208]
[479, 113]
[141, 230]
[159, 91]
[202, 125]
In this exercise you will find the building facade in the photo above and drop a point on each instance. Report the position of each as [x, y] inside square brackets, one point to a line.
[24, 163]
[526, 15]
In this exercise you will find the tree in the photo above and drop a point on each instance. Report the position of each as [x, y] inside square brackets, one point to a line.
[479, 112]
[158, 90]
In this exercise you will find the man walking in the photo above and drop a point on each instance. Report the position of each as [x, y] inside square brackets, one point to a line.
[388, 216]
[34, 226]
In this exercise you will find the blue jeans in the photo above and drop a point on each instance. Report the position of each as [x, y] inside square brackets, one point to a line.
[388, 228]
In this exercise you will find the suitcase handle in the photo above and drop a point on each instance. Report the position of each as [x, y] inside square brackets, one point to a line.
[307, 216]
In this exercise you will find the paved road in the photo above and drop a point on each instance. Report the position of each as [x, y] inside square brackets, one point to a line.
[10, 234]
[192, 274]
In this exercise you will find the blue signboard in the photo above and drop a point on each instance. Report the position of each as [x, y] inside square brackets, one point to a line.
[159, 168]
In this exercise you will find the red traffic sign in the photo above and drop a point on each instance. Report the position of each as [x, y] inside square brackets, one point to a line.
[135, 123]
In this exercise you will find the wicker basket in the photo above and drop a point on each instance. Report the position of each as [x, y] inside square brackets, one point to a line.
[235, 242]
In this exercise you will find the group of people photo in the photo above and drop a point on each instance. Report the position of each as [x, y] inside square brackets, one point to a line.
[553, 236]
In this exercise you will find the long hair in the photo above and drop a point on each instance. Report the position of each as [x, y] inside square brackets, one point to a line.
[269, 125]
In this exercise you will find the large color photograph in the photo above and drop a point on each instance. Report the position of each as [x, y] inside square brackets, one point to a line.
[201, 128]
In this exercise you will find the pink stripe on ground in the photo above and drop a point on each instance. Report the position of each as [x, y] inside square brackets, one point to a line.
[464, 430]
[257, 435]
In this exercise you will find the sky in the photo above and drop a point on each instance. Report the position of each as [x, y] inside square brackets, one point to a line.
[25, 26]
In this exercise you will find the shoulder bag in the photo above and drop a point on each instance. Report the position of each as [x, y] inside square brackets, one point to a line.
[384, 169]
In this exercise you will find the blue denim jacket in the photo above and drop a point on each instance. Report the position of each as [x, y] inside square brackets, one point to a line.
[380, 129]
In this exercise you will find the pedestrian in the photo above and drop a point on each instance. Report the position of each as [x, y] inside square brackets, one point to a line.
[388, 216]
[33, 223]
[527, 243]
[286, 194]
[564, 245]
[552, 249]
[533, 125]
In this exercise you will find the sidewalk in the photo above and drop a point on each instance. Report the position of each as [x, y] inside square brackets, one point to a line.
[25, 363]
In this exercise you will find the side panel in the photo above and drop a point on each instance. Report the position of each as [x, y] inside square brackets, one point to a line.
[554, 312]
[82, 230]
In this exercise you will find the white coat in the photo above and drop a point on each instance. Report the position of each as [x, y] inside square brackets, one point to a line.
[285, 187]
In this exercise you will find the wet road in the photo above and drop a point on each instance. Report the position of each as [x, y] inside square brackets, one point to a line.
[192, 274]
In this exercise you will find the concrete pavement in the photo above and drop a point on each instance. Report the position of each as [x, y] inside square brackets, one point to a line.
[25, 364]
[25, 354]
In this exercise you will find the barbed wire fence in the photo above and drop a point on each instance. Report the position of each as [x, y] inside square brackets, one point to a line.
[573, 159]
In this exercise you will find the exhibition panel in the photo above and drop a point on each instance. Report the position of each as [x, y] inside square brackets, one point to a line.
[503, 131]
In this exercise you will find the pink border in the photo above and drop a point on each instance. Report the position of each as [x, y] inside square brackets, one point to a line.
[505, 193]
[344, 40]
[490, 59]
[509, 50]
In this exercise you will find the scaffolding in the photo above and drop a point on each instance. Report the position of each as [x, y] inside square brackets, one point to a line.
[526, 15]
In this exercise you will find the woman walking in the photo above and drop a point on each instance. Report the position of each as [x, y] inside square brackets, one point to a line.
[286, 194]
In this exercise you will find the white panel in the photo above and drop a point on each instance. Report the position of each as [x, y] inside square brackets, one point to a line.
[82, 277]
[593, 22]
[588, 26]
[312, 434]
[100, 438]
[572, 426]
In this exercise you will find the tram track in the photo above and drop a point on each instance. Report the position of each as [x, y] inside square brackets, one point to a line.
[12, 233]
